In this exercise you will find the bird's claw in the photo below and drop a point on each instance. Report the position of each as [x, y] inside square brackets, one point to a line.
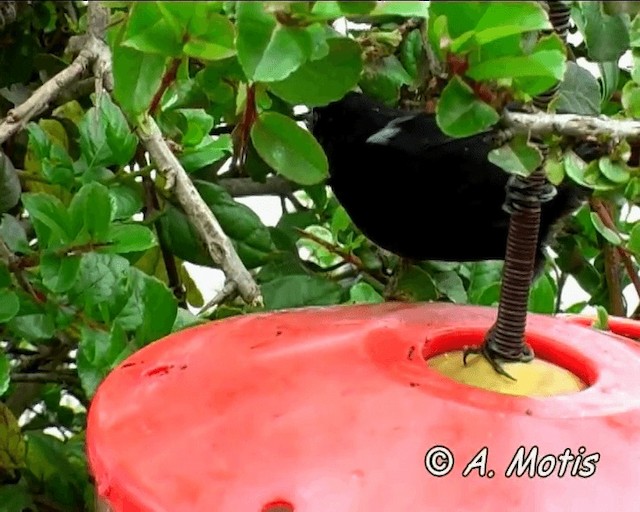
[492, 353]
[493, 360]
[521, 193]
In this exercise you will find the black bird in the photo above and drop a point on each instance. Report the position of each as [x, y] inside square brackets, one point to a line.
[419, 193]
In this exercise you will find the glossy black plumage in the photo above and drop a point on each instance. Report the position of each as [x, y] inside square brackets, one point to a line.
[417, 192]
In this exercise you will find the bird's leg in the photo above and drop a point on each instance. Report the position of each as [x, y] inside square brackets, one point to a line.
[505, 340]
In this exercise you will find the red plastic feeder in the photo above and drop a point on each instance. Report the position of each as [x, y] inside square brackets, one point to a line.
[335, 409]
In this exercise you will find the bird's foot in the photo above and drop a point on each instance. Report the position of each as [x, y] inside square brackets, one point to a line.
[492, 353]
[485, 352]
[521, 193]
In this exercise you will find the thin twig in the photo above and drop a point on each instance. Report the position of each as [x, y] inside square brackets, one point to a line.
[46, 377]
[339, 251]
[201, 217]
[600, 208]
[228, 292]
[19, 116]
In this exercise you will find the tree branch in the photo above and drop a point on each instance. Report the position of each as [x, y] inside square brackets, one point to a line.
[571, 125]
[274, 186]
[218, 244]
[600, 208]
[95, 52]
[228, 292]
[338, 251]
[46, 377]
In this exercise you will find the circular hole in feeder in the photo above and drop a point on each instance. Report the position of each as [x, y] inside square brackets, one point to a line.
[278, 506]
[556, 370]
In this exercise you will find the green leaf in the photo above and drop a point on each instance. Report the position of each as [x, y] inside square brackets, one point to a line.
[326, 79]
[631, 99]
[488, 296]
[327, 10]
[340, 221]
[5, 380]
[631, 191]
[207, 152]
[186, 319]
[59, 273]
[198, 125]
[52, 463]
[412, 54]
[631, 8]
[357, 7]
[90, 212]
[13, 234]
[299, 291]
[102, 287]
[609, 235]
[602, 319]
[384, 79]
[159, 307]
[481, 23]
[119, 137]
[548, 64]
[504, 19]
[579, 92]
[32, 327]
[290, 150]
[148, 31]
[634, 240]
[105, 137]
[610, 78]
[12, 446]
[587, 175]
[400, 8]
[268, 51]
[614, 171]
[211, 35]
[634, 33]
[606, 37]
[542, 297]
[318, 253]
[484, 279]
[450, 284]
[249, 235]
[15, 498]
[125, 238]
[635, 70]
[281, 264]
[364, 293]
[182, 239]
[51, 220]
[137, 77]
[460, 114]
[5, 276]
[39, 141]
[10, 188]
[126, 201]
[418, 284]
[98, 353]
[517, 157]
[554, 169]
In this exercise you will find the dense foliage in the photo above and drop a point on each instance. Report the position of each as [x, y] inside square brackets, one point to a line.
[93, 244]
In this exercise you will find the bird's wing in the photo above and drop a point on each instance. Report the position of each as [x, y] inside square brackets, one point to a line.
[415, 133]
